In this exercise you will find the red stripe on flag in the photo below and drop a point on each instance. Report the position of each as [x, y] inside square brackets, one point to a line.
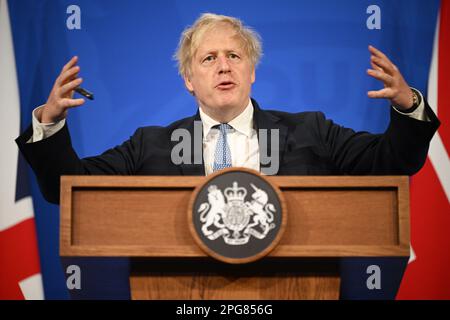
[19, 258]
[428, 277]
[443, 99]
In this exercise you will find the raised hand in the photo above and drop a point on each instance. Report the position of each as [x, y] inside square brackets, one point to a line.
[395, 87]
[61, 96]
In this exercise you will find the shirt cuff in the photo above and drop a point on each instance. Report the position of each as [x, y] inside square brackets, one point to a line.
[42, 131]
[419, 113]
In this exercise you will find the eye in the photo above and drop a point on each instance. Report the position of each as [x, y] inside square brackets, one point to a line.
[233, 56]
[209, 58]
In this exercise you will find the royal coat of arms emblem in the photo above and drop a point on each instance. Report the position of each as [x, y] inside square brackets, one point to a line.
[228, 216]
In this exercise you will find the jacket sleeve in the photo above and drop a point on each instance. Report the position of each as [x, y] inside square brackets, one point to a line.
[53, 157]
[401, 150]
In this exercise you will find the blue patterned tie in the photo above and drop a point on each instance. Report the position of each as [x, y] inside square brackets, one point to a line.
[222, 155]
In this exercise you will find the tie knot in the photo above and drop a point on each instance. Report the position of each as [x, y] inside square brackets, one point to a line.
[223, 127]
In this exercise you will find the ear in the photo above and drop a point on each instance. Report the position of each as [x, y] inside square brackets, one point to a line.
[253, 76]
[188, 84]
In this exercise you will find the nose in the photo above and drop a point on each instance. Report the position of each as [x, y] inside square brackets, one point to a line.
[224, 66]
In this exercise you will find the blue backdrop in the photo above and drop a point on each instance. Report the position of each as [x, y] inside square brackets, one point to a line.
[315, 58]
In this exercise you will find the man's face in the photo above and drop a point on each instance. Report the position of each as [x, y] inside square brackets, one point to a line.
[221, 73]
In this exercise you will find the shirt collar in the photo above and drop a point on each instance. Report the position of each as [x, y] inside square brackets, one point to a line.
[243, 123]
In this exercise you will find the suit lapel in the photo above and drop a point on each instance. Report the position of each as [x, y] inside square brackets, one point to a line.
[269, 121]
[192, 168]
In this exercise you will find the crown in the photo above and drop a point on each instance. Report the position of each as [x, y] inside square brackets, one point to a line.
[236, 193]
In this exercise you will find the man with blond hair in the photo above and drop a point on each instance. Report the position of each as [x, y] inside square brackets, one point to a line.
[217, 59]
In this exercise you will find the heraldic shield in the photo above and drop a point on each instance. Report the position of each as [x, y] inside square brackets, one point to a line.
[237, 215]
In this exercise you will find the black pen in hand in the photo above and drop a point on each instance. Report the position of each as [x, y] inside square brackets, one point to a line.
[85, 93]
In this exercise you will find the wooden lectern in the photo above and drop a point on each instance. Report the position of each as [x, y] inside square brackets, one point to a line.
[144, 218]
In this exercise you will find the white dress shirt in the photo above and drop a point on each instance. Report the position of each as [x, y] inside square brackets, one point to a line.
[242, 139]
[41, 130]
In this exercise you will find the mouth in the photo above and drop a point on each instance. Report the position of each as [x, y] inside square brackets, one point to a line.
[226, 85]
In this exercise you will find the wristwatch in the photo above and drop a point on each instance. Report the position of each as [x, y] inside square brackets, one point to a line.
[416, 99]
[416, 102]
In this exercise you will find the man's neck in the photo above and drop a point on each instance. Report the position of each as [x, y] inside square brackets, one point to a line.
[224, 116]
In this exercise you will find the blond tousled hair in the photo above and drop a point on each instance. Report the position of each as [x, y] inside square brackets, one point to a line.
[192, 35]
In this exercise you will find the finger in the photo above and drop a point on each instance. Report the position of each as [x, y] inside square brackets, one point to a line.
[67, 75]
[375, 67]
[382, 76]
[71, 103]
[70, 86]
[377, 52]
[388, 67]
[71, 78]
[385, 93]
[69, 64]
